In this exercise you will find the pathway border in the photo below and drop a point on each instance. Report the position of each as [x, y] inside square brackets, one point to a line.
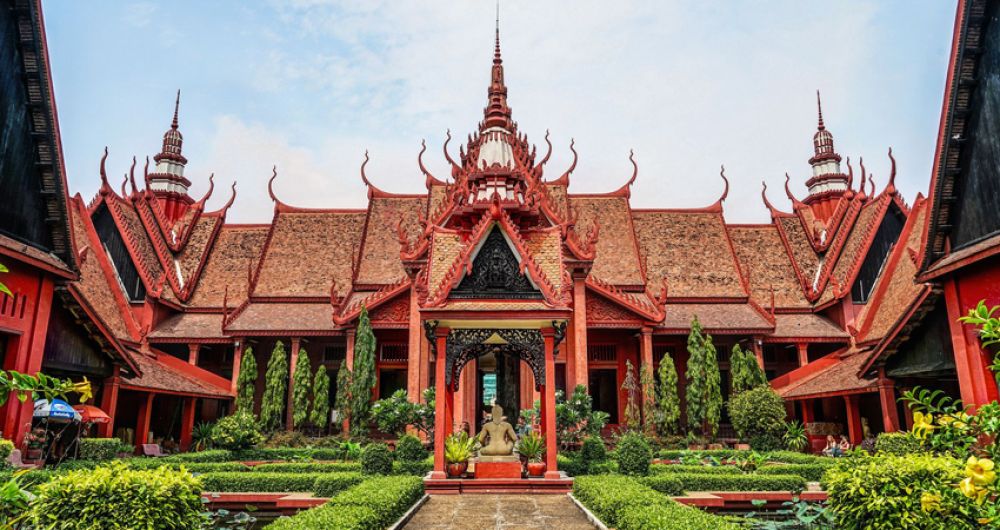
[399, 524]
[590, 516]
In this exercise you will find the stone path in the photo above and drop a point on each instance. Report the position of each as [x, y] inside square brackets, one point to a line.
[499, 512]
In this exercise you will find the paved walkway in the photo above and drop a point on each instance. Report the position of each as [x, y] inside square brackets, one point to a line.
[499, 512]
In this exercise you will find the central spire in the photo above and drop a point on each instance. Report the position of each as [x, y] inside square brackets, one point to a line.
[497, 113]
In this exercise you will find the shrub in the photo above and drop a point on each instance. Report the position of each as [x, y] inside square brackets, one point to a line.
[886, 491]
[634, 454]
[115, 497]
[236, 432]
[376, 459]
[765, 443]
[409, 448]
[791, 457]
[739, 482]
[897, 443]
[308, 467]
[625, 504]
[99, 448]
[571, 464]
[212, 455]
[810, 472]
[285, 440]
[259, 482]
[593, 451]
[291, 453]
[419, 468]
[6, 448]
[666, 484]
[758, 412]
[745, 371]
[330, 484]
[669, 469]
[677, 454]
[374, 504]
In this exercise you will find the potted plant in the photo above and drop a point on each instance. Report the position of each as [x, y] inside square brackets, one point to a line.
[457, 450]
[532, 447]
[34, 440]
[795, 436]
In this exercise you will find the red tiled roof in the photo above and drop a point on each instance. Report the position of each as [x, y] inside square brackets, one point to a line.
[807, 326]
[138, 242]
[800, 248]
[17, 248]
[193, 253]
[189, 326]
[545, 247]
[761, 251]
[617, 259]
[236, 249]
[171, 375]
[305, 250]
[380, 263]
[267, 317]
[834, 374]
[715, 317]
[856, 246]
[691, 250]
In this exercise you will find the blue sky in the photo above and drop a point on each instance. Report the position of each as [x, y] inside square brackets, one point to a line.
[310, 84]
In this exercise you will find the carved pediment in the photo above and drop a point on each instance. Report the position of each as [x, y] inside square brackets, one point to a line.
[496, 273]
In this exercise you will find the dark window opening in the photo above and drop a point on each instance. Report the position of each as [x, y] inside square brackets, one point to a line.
[389, 381]
[393, 352]
[128, 274]
[886, 236]
[602, 352]
[604, 391]
[334, 352]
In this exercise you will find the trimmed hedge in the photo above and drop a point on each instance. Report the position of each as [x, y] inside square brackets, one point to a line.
[31, 478]
[662, 469]
[259, 454]
[810, 472]
[753, 482]
[259, 482]
[307, 467]
[792, 457]
[99, 448]
[571, 464]
[897, 443]
[625, 504]
[376, 459]
[665, 484]
[330, 484]
[372, 505]
[154, 463]
[788, 457]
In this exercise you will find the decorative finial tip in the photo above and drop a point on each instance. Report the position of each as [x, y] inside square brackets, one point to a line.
[819, 108]
[177, 106]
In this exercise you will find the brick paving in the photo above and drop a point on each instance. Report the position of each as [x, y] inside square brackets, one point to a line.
[499, 512]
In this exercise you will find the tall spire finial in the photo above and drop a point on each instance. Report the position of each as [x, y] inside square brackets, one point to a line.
[819, 107]
[177, 106]
[497, 113]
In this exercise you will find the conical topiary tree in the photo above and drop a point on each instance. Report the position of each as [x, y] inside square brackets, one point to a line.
[272, 406]
[246, 383]
[320, 414]
[697, 384]
[668, 406]
[301, 387]
[713, 389]
[746, 371]
[363, 376]
[343, 401]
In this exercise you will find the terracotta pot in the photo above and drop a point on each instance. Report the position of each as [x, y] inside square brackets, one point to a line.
[714, 447]
[33, 454]
[536, 469]
[741, 447]
[457, 469]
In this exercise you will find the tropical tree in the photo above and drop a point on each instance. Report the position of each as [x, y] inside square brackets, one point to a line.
[631, 388]
[668, 406]
[697, 383]
[272, 406]
[363, 376]
[746, 371]
[320, 414]
[246, 383]
[713, 389]
[343, 399]
[301, 386]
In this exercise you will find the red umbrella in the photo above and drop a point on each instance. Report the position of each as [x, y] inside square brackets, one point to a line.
[92, 414]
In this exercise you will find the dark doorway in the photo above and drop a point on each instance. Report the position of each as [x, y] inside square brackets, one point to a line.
[499, 378]
[604, 391]
[389, 381]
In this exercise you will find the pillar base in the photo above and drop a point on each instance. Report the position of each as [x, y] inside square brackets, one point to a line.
[437, 475]
[553, 475]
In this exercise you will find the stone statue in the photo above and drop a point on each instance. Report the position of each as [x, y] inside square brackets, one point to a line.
[497, 436]
[866, 431]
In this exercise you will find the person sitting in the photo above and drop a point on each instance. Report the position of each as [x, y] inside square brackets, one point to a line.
[831, 449]
[844, 445]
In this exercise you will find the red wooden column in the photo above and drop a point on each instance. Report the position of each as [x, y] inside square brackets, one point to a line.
[193, 349]
[413, 358]
[975, 380]
[758, 350]
[292, 361]
[887, 398]
[109, 402]
[29, 359]
[853, 418]
[549, 399]
[582, 372]
[187, 421]
[142, 423]
[237, 364]
[442, 423]
[803, 349]
[807, 411]
[646, 358]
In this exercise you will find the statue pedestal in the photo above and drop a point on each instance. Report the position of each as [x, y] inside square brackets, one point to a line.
[497, 468]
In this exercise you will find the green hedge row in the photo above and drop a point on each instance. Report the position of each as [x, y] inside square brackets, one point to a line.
[307, 467]
[810, 472]
[667, 484]
[752, 482]
[155, 463]
[372, 505]
[625, 504]
[265, 453]
[661, 469]
[259, 482]
[788, 457]
[330, 484]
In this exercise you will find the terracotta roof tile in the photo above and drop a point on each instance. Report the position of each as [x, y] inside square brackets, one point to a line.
[855, 248]
[234, 249]
[890, 302]
[690, 249]
[760, 250]
[162, 373]
[715, 317]
[134, 232]
[545, 247]
[559, 196]
[198, 243]
[306, 250]
[284, 317]
[807, 325]
[801, 249]
[189, 326]
[380, 263]
[445, 248]
[838, 373]
[33, 253]
[617, 260]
